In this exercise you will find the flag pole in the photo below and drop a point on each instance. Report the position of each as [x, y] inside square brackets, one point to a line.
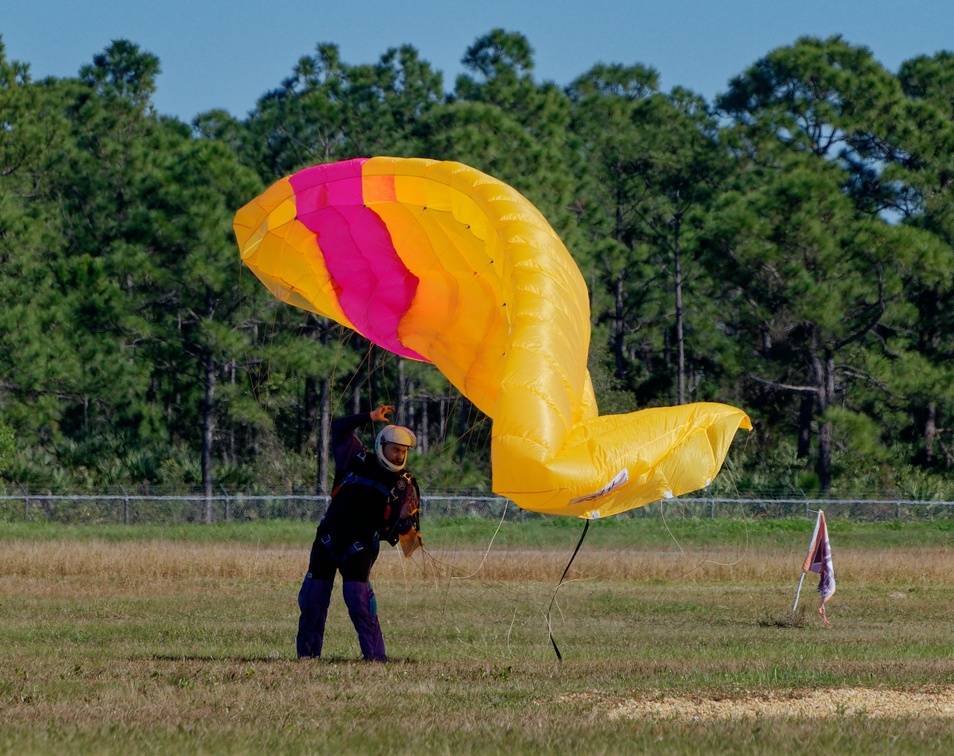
[798, 592]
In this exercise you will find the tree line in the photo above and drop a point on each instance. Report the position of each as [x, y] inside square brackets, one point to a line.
[787, 248]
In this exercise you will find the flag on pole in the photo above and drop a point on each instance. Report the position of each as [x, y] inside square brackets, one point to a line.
[818, 560]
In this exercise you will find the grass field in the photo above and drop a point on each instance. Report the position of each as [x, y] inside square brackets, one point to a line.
[675, 639]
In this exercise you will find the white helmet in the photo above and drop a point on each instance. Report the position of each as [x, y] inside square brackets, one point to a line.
[393, 434]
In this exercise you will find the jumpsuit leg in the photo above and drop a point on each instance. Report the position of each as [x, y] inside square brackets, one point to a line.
[362, 607]
[313, 600]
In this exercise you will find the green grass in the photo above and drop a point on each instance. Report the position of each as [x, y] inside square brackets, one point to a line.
[534, 531]
[159, 640]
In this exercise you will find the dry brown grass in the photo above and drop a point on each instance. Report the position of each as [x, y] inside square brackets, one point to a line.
[164, 560]
[150, 560]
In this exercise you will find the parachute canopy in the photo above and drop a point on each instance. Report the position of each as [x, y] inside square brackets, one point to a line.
[439, 262]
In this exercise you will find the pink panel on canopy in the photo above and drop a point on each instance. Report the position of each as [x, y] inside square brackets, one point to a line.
[374, 286]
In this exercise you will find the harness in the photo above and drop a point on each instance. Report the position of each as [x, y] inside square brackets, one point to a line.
[362, 481]
[391, 494]
[353, 549]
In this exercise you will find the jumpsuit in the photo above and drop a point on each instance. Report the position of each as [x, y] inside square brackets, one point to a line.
[367, 502]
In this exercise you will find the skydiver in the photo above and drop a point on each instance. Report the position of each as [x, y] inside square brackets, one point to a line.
[373, 498]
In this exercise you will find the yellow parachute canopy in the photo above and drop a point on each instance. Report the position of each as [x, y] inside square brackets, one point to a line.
[437, 261]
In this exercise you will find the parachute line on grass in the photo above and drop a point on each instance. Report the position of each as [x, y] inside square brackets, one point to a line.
[489, 547]
[556, 648]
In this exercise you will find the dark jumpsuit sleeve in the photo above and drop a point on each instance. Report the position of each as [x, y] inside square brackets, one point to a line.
[344, 443]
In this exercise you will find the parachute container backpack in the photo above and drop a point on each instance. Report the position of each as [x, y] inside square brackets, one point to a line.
[436, 261]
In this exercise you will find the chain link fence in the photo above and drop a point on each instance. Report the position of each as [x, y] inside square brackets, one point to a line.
[226, 507]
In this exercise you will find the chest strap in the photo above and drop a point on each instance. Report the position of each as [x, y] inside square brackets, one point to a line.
[362, 481]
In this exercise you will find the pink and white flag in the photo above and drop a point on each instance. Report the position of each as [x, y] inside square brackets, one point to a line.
[819, 560]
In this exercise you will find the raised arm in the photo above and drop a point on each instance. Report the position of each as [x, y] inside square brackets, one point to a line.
[344, 443]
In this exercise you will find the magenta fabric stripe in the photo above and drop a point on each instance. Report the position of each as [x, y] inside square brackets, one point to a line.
[374, 286]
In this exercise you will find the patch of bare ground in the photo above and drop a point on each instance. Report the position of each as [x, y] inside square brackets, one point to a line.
[816, 704]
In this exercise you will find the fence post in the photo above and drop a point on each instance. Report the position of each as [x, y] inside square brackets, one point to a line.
[228, 514]
[125, 502]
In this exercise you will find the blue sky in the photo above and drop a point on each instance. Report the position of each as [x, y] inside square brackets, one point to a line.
[227, 53]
